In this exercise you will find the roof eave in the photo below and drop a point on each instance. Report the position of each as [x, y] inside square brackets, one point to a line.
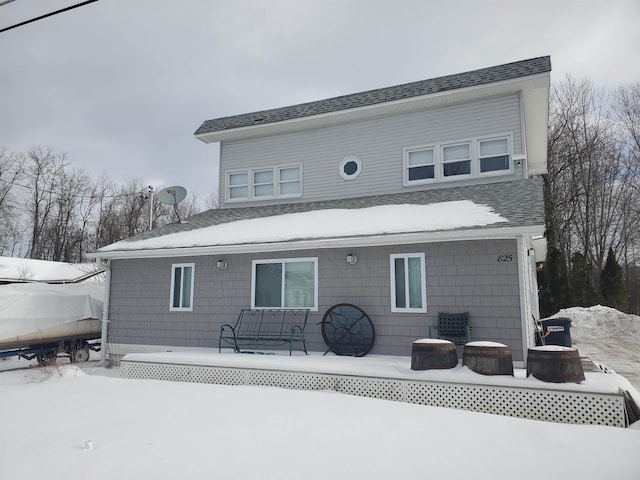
[432, 100]
[333, 242]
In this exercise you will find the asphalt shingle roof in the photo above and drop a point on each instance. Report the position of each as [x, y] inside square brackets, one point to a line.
[472, 78]
[519, 201]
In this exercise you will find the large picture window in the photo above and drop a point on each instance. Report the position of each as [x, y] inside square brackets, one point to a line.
[285, 283]
[182, 275]
[408, 283]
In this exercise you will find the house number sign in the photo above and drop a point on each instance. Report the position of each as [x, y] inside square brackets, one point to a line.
[505, 258]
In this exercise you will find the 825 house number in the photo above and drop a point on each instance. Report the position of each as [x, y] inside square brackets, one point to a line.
[505, 258]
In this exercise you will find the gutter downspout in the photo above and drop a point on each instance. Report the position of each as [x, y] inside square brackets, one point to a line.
[105, 311]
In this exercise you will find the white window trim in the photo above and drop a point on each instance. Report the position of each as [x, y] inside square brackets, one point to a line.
[173, 277]
[405, 155]
[283, 261]
[512, 156]
[392, 276]
[251, 196]
[278, 183]
[474, 150]
[443, 162]
[273, 182]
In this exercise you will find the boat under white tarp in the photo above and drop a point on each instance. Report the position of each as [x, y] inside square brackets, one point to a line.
[38, 313]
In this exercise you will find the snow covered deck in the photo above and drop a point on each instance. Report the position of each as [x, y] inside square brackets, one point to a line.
[597, 400]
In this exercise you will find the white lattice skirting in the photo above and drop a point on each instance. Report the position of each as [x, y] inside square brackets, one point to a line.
[537, 404]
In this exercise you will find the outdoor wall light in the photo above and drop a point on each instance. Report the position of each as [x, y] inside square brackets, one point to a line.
[221, 264]
[351, 259]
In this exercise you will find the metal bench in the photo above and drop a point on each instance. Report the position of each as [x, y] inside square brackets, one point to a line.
[265, 328]
[453, 327]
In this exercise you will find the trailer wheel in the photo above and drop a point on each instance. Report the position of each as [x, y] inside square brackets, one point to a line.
[47, 359]
[80, 354]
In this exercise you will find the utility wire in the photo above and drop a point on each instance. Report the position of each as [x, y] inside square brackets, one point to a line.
[66, 9]
[28, 187]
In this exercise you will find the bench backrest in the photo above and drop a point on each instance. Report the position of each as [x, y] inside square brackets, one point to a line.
[270, 322]
[453, 324]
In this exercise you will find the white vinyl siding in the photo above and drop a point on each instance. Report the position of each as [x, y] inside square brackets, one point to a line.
[182, 275]
[285, 283]
[408, 283]
[378, 143]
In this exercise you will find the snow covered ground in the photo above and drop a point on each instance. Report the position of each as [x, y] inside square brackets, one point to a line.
[608, 337]
[75, 424]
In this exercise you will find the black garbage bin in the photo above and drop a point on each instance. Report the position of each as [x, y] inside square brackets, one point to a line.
[556, 331]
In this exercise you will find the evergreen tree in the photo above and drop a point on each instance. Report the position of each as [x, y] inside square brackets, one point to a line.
[582, 291]
[612, 290]
[553, 283]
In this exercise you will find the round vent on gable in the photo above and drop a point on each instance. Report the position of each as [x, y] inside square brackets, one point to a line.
[350, 167]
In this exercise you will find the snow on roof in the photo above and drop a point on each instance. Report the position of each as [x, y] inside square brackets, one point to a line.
[326, 224]
[29, 270]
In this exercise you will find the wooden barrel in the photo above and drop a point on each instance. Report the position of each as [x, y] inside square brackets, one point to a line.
[433, 353]
[554, 363]
[488, 358]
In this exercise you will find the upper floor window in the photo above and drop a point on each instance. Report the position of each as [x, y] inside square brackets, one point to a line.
[182, 287]
[446, 162]
[285, 283]
[350, 168]
[456, 160]
[265, 183]
[420, 164]
[493, 155]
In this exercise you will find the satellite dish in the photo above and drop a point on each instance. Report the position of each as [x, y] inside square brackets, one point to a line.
[172, 196]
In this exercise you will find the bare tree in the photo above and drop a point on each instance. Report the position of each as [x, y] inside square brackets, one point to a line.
[43, 172]
[590, 191]
[11, 171]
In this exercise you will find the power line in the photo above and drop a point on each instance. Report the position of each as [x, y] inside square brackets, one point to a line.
[66, 9]
[95, 196]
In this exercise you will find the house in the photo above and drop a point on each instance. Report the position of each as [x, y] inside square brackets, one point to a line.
[405, 201]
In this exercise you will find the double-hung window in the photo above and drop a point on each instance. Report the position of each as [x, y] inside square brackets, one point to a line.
[285, 283]
[289, 182]
[456, 160]
[462, 160]
[420, 165]
[493, 155]
[408, 283]
[238, 185]
[182, 275]
[264, 183]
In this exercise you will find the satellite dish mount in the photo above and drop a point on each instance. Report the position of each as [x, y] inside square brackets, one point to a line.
[173, 196]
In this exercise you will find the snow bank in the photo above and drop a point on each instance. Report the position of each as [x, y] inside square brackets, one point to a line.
[601, 322]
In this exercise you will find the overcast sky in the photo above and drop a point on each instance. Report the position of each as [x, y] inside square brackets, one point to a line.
[121, 85]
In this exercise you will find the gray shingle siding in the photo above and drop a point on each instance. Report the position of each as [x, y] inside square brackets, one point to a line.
[473, 78]
[461, 276]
